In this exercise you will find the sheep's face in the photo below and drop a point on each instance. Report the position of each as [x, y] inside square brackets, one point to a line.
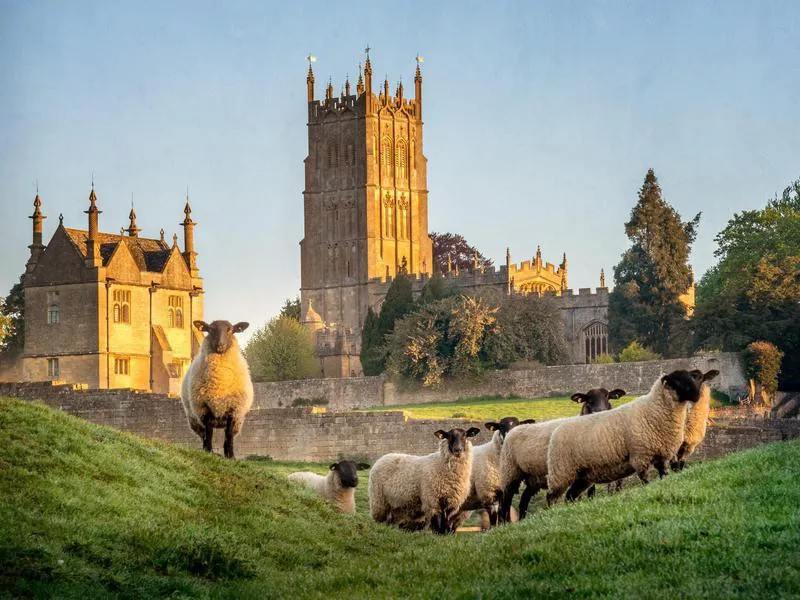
[457, 438]
[347, 470]
[220, 334]
[506, 424]
[597, 400]
[685, 385]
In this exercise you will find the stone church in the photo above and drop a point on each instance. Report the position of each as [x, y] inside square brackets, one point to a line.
[110, 310]
[366, 218]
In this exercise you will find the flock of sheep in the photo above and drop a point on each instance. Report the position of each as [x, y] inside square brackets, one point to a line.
[439, 490]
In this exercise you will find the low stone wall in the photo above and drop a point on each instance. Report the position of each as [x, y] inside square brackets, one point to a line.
[300, 434]
[365, 392]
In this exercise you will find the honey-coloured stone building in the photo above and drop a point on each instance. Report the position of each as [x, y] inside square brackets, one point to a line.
[110, 310]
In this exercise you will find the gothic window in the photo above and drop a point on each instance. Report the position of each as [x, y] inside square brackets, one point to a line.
[595, 340]
[402, 160]
[388, 216]
[53, 369]
[121, 366]
[386, 156]
[178, 318]
[171, 318]
[402, 212]
[122, 306]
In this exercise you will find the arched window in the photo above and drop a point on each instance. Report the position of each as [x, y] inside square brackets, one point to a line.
[595, 340]
[171, 318]
[402, 160]
[126, 313]
[179, 318]
[122, 306]
[386, 155]
[116, 313]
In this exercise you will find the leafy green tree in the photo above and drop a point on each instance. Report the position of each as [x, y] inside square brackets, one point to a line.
[762, 364]
[529, 328]
[434, 289]
[454, 248]
[635, 352]
[291, 308]
[398, 303]
[282, 349]
[12, 320]
[752, 293]
[652, 274]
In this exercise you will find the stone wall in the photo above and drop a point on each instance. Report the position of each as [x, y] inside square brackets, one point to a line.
[364, 392]
[300, 434]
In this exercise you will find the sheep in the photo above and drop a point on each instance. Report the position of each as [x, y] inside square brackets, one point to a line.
[217, 390]
[337, 487]
[612, 444]
[524, 453]
[486, 471]
[696, 423]
[423, 491]
[594, 401]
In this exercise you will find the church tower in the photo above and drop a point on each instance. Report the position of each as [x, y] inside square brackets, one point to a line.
[365, 198]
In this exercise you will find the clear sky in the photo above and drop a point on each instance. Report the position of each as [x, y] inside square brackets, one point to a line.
[541, 120]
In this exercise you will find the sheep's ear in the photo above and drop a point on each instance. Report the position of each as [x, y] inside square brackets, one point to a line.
[528, 422]
[201, 325]
[697, 375]
[240, 326]
[617, 393]
[440, 433]
[473, 431]
[362, 466]
[578, 397]
[710, 375]
[492, 426]
[334, 466]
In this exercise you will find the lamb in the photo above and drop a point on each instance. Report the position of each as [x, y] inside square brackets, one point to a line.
[609, 445]
[696, 423]
[486, 470]
[337, 487]
[217, 390]
[524, 453]
[423, 491]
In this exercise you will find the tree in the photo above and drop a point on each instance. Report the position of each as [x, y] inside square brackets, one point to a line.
[291, 308]
[752, 293]
[635, 352]
[651, 276]
[282, 349]
[460, 252]
[398, 303]
[12, 320]
[529, 328]
[762, 364]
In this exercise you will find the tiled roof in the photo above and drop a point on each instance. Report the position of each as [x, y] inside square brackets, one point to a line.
[150, 255]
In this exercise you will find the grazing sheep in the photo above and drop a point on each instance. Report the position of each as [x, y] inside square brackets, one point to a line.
[696, 423]
[486, 471]
[337, 487]
[612, 444]
[524, 453]
[217, 390]
[594, 401]
[423, 491]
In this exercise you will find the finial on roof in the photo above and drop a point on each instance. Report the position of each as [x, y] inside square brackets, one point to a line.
[347, 85]
[310, 77]
[174, 240]
[60, 218]
[366, 51]
[602, 278]
[360, 83]
[133, 230]
[122, 231]
[508, 255]
[162, 234]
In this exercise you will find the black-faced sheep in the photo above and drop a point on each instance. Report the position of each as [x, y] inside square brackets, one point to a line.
[428, 490]
[696, 422]
[609, 445]
[217, 390]
[486, 470]
[337, 487]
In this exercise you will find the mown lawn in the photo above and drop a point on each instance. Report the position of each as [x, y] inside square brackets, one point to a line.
[86, 512]
[492, 408]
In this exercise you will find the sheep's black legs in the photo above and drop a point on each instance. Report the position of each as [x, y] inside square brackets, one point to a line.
[661, 466]
[576, 489]
[506, 496]
[208, 430]
[229, 437]
[524, 500]
[591, 491]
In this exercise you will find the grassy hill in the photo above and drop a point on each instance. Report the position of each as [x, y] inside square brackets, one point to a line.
[86, 512]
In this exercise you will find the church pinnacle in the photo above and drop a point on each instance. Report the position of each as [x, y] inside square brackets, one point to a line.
[93, 258]
[189, 254]
[133, 230]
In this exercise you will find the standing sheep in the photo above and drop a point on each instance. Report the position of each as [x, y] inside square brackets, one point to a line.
[337, 487]
[609, 445]
[696, 422]
[486, 470]
[430, 489]
[524, 454]
[217, 390]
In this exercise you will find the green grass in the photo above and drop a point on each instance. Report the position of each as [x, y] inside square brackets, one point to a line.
[492, 408]
[86, 512]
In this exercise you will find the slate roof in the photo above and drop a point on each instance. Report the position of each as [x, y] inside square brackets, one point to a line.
[150, 255]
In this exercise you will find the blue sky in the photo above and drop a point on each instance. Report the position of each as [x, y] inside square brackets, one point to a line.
[541, 120]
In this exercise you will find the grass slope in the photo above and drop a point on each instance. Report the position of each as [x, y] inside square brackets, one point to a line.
[86, 512]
